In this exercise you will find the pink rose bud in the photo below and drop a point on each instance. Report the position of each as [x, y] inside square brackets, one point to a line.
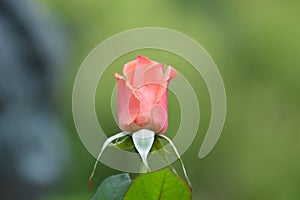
[143, 96]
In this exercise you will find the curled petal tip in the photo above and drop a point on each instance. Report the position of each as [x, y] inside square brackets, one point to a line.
[118, 76]
[143, 60]
[173, 73]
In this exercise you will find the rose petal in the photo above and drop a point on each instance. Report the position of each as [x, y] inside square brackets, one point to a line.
[141, 60]
[159, 118]
[130, 67]
[170, 74]
[128, 104]
[144, 74]
[147, 96]
[163, 101]
[164, 129]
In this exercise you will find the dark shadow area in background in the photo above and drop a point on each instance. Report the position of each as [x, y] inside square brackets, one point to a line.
[33, 147]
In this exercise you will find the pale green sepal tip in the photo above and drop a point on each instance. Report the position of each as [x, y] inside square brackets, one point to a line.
[143, 140]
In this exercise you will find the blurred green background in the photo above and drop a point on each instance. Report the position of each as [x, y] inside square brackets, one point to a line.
[256, 45]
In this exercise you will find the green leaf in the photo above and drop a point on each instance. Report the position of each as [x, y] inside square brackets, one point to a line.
[162, 184]
[113, 188]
